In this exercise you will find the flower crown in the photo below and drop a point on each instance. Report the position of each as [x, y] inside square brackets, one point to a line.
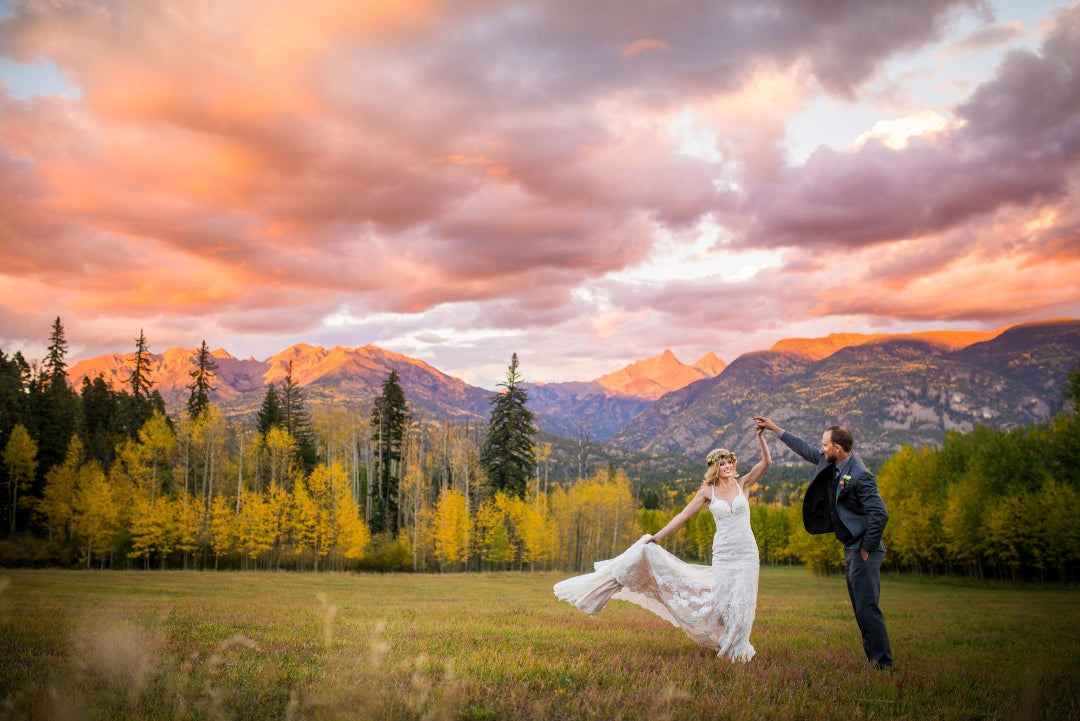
[719, 454]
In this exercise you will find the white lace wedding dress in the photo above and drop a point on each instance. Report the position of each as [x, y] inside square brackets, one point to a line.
[714, 605]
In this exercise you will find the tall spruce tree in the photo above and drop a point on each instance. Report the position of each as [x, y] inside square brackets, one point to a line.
[509, 451]
[102, 410]
[270, 415]
[140, 380]
[389, 420]
[202, 382]
[143, 402]
[297, 421]
[14, 380]
[53, 410]
[55, 362]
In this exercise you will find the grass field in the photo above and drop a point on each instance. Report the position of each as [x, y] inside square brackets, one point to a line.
[189, 645]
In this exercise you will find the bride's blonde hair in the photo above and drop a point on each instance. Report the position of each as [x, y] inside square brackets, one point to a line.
[712, 461]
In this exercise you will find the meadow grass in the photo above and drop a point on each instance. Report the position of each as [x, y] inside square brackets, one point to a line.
[193, 645]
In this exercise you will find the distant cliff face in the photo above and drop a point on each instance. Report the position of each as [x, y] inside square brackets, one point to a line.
[890, 389]
[653, 377]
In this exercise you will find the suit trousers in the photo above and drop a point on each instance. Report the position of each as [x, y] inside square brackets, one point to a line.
[864, 589]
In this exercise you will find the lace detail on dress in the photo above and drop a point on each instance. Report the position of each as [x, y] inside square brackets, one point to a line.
[714, 605]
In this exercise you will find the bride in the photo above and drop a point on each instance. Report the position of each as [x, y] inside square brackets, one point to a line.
[713, 605]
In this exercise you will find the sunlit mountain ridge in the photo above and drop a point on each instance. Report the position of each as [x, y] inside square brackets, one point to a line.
[896, 388]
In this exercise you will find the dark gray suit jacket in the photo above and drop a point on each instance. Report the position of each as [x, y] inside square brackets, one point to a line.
[858, 503]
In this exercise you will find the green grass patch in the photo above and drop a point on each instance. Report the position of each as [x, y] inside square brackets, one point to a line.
[196, 645]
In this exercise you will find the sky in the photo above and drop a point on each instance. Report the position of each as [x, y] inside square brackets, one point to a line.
[585, 184]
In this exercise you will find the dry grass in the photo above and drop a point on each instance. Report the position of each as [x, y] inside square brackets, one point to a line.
[194, 645]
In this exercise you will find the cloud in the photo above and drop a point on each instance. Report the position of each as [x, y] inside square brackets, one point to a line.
[424, 168]
[1016, 142]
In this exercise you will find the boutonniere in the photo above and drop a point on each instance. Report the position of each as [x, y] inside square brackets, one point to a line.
[844, 479]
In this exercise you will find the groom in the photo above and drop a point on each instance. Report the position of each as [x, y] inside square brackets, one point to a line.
[843, 499]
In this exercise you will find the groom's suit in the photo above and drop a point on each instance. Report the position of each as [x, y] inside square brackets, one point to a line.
[844, 500]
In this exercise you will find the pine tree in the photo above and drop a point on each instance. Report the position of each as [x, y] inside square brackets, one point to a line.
[202, 382]
[55, 363]
[102, 421]
[14, 377]
[140, 406]
[140, 373]
[270, 415]
[509, 452]
[298, 421]
[389, 419]
[53, 412]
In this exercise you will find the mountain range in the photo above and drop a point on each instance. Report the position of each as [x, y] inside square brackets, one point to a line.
[891, 389]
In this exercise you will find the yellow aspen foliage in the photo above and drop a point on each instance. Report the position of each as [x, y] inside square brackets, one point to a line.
[962, 522]
[538, 535]
[153, 528]
[96, 522]
[820, 553]
[652, 520]
[158, 443]
[1059, 508]
[305, 521]
[188, 517]
[451, 528]
[20, 462]
[222, 529]
[278, 507]
[492, 538]
[354, 533]
[1006, 532]
[279, 447]
[412, 491]
[697, 535]
[773, 527]
[594, 519]
[57, 504]
[255, 529]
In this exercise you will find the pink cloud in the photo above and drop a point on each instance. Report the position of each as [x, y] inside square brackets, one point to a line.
[246, 169]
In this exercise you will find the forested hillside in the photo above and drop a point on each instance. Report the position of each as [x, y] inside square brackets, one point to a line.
[891, 392]
[97, 476]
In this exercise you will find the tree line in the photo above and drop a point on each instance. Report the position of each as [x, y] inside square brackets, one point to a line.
[104, 477]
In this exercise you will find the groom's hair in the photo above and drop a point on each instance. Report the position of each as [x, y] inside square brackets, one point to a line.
[842, 437]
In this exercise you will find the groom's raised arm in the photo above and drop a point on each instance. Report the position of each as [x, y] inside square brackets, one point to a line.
[790, 440]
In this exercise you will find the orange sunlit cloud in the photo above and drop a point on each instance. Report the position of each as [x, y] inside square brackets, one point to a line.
[365, 171]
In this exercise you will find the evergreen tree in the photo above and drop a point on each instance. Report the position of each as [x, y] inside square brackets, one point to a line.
[298, 421]
[509, 451]
[202, 382]
[55, 363]
[389, 419]
[53, 412]
[102, 408]
[140, 373]
[270, 415]
[14, 376]
[143, 402]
